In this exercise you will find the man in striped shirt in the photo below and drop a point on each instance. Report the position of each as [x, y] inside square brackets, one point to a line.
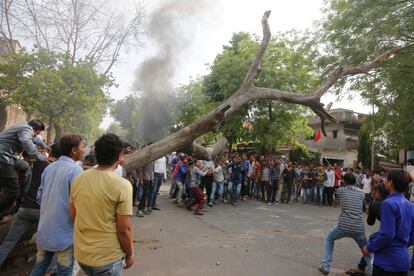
[350, 223]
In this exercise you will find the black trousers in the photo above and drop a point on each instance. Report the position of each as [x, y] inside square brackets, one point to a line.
[9, 187]
[145, 195]
[328, 194]
[272, 189]
[208, 185]
[378, 271]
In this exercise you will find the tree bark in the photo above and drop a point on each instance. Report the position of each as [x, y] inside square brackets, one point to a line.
[184, 138]
[59, 133]
[3, 115]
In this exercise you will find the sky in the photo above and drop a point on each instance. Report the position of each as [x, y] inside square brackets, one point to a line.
[213, 29]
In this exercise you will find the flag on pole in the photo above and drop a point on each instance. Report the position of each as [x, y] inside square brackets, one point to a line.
[317, 136]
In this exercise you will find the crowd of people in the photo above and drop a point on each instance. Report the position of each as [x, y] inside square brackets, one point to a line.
[239, 177]
[88, 197]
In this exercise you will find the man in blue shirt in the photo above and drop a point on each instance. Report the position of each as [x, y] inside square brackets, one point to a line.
[396, 232]
[55, 230]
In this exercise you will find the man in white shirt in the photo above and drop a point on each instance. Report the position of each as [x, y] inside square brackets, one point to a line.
[160, 174]
[329, 185]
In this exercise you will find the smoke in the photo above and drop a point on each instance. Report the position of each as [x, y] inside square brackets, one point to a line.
[170, 31]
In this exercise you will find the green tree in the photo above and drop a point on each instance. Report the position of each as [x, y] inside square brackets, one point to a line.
[70, 97]
[126, 113]
[287, 64]
[358, 30]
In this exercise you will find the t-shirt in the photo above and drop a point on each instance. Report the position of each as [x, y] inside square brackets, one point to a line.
[351, 199]
[196, 175]
[30, 196]
[366, 184]
[98, 196]
[330, 179]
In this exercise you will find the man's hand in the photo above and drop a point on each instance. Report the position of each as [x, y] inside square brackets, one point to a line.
[365, 251]
[129, 261]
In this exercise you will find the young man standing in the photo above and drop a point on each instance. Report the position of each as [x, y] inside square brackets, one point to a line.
[320, 178]
[101, 208]
[55, 231]
[146, 180]
[329, 185]
[196, 175]
[350, 223]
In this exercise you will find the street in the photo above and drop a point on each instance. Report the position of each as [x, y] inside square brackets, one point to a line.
[251, 239]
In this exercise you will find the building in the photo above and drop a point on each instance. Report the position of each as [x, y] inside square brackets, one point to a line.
[9, 114]
[340, 144]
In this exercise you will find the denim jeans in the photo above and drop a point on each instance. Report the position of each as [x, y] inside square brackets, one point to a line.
[307, 194]
[180, 190]
[336, 234]
[157, 185]
[112, 269]
[253, 189]
[234, 190]
[216, 189]
[64, 259]
[25, 219]
[318, 194]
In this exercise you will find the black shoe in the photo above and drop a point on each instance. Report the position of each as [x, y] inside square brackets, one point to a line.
[323, 271]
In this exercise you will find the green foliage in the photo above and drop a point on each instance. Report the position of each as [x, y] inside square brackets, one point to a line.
[126, 113]
[71, 96]
[356, 32]
[287, 64]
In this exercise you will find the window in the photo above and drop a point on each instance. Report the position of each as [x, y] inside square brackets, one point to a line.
[335, 134]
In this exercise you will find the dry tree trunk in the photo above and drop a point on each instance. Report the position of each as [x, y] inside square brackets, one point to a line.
[183, 140]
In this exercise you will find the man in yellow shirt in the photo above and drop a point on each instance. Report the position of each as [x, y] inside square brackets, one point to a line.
[101, 208]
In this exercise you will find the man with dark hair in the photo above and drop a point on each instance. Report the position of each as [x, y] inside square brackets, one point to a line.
[101, 208]
[13, 141]
[350, 223]
[55, 231]
[28, 214]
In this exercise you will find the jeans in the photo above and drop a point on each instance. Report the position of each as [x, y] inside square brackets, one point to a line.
[234, 190]
[172, 187]
[318, 191]
[157, 185]
[336, 234]
[64, 259]
[307, 194]
[146, 196]
[180, 187]
[25, 219]
[217, 189]
[253, 189]
[287, 191]
[274, 188]
[112, 269]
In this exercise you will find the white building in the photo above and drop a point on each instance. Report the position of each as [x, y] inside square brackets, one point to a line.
[340, 144]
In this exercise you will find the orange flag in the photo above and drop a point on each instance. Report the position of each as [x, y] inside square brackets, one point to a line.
[317, 136]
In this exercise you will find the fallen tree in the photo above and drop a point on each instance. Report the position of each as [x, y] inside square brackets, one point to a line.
[183, 140]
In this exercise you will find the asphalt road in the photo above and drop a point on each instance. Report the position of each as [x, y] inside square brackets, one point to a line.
[251, 239]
